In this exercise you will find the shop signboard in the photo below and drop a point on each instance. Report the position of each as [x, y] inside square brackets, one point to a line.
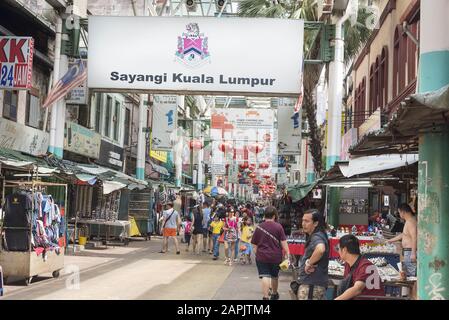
[22, 138]
[16, 62]
[289, 127]
[241, 124]
[349, 139]
[165, 117]
[78, 95]
[192, 55]
[80, 140]
[111, 156]
[159, 155]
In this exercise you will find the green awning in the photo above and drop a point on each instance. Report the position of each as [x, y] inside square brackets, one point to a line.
[17, 159]
[300, 191]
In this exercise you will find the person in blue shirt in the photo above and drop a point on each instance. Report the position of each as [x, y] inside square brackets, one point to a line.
[207, 237]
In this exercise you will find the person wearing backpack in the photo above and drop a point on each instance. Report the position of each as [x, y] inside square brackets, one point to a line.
[170, 227]
[313, 269]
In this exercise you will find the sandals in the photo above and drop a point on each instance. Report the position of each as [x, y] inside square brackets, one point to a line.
[162, 251]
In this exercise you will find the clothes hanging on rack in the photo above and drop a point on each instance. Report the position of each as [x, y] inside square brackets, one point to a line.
[46, 226]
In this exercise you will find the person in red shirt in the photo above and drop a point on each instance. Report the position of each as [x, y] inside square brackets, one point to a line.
[361, 277]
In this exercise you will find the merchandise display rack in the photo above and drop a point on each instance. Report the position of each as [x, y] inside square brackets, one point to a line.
[27, 264]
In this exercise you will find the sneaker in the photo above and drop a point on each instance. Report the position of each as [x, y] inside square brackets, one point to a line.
[226, 261]
[236, 260]
[215, 258]
[274, 296]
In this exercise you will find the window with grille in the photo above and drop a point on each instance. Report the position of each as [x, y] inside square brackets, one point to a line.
[33, 113]
[10, 99]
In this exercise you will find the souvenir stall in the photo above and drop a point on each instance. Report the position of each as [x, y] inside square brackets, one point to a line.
[140, 209]
[101, 221]
[33, 230]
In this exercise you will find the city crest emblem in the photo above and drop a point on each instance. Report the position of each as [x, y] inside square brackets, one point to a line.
[193, 47]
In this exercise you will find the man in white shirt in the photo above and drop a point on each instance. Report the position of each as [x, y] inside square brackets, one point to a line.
[170, 225]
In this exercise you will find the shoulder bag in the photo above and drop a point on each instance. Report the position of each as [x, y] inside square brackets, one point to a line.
[346, 282]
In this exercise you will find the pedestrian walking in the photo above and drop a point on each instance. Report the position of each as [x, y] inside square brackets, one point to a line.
[313, 269]
[239, 235]
[245, 244]
[230, 236]
[197, 232]
[216, 227]
[270, 246]
[170, 227]
[206, 223]
[187, 232]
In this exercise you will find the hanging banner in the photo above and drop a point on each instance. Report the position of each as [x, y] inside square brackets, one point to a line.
[217, 165]
[241, 124]
[233, 173]
[289, 127]
[191, 55]
[16, 62]
[165, 118]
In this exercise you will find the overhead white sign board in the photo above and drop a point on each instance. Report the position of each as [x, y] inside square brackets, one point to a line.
[197, 54]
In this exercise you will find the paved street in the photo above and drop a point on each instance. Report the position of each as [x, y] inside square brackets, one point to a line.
[139, 271]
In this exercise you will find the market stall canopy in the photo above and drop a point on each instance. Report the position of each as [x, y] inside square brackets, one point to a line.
[368, 164]
[111, 186]
[215, 191]
[16, 159]
[299, 192]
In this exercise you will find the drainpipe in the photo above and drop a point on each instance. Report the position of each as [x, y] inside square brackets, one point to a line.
[141, 142]
[51, 147]
[336, 78]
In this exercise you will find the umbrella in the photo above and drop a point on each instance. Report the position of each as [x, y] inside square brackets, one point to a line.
[215, 191]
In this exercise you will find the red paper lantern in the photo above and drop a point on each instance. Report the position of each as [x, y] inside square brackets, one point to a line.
[257, 182]
[267, 176]
[267, 137]
[239, 175]
[264, 165]
[255, 147]
[225, 147]
[269, 182]
[195, 145]
[244, 166]
[252, 175]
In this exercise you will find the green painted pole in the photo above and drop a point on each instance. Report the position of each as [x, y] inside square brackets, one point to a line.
[334, 206]
[433, 215]
[433, 173]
